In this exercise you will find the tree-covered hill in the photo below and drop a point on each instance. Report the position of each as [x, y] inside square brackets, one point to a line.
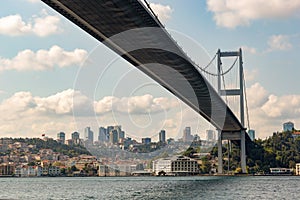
[71, 151]
[279, 150]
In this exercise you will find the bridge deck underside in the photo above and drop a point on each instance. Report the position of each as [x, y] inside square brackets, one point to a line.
[130, 29]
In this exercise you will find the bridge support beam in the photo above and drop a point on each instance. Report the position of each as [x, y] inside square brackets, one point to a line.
[243, 152]
[220, 153]
[237, 136]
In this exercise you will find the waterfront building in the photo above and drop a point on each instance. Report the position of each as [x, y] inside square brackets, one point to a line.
[288, 126]
[297, 172]
[281, 171]
[146, 140]
[175, 165]
[6, 169]
[162, 136]
[251, 134]
[61, 137]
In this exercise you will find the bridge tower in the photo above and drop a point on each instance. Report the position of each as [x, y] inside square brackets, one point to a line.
[232, 92]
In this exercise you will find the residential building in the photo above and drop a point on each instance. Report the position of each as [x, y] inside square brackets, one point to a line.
[296, 134]
[7, 169]
[297, 172]
[61, 137]
[162, 136]
[176, 165]
[288, 126]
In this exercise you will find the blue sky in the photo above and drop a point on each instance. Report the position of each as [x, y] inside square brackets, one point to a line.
[46, 62]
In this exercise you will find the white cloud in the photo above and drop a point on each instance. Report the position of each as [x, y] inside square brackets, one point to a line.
[279, 42]
[14, 25]
[43, 59]
[231, 13]
[250, 75]
[268, 111]
[135, 105]
[250, 50]
[32, 115]
[163, 12]
[257, 95]
[282, 107]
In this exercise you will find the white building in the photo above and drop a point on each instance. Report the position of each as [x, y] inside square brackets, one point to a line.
[298, 169]
[28, 171]
[176, 165]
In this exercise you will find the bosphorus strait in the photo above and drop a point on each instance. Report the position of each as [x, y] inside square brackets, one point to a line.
[199, 187]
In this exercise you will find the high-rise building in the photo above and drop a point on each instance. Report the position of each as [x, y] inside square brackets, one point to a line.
[251, 134]
[288, 126]
[75, 138]
[162, 136]
[103, 135]
[210, 135]
[113, 136]
[146, 140]
[61, 137]
[121, 135]
[89, 134]
[187, 136]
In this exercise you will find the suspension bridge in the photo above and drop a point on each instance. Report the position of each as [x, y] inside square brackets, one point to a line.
[132, 30]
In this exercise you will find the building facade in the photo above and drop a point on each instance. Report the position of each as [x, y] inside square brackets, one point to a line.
[176, 165]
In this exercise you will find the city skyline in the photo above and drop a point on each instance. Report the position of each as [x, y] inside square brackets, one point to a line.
[39, 92]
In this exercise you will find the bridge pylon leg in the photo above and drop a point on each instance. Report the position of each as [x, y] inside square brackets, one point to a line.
[243, 152]
[220, 153]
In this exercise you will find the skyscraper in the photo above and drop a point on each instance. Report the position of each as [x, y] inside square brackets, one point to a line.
[75, 138]
[61, 137]
[89, 134]
[113, 136]
[187, 136]
[103, 135]
[162, 136]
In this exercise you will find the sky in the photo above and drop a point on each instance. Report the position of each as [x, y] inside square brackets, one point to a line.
[55, 77]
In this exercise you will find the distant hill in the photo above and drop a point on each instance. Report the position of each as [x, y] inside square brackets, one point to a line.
[71, 151]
